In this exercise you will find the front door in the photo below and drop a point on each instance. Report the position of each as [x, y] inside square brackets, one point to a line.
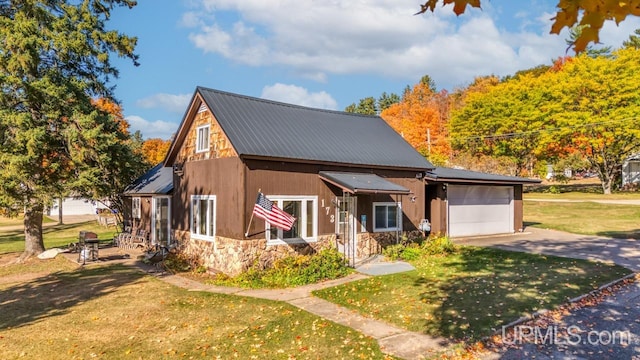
[161, 224]
[346, 227]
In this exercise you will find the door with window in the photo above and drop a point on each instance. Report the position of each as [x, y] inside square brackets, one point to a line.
[161, 224]
[346, 227]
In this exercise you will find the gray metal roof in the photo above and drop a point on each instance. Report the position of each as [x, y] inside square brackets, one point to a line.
[263, 128]
[458, 175]
[157, 181]
[362, 183]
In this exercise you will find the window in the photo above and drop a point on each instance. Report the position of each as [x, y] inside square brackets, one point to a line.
[135, 207]
[203, 217]
[304, 229]
[202, 139]
[386, 216]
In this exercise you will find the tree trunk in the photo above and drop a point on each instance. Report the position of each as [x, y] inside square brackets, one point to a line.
[33, 243]
[60, 201]
[606, 185]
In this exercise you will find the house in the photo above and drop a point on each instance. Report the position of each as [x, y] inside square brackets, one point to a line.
[631, 170]
[350, 181]
[469, 203]
[75, 206]
[150, 204]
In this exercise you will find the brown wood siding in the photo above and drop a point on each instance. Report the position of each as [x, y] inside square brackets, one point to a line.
[279, 178]
[219, 145]
[145, 213]
[518, 211]
[223, 178]
[437, 205]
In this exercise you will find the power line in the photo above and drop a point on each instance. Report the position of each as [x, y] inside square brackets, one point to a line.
[525, 133]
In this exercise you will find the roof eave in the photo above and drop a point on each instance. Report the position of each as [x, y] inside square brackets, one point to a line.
[320, 162]
[481, 181]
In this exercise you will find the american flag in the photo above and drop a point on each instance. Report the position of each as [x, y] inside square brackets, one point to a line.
[265, 209]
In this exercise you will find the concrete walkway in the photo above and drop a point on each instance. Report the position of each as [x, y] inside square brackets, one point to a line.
[392, 340]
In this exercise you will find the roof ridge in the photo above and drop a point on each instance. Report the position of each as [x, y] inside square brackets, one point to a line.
[283, 104]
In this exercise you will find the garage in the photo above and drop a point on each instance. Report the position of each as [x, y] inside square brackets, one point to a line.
[469, 203]
[480, 210]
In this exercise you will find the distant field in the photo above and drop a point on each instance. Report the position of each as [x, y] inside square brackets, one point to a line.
[589, 218]
[583, 196]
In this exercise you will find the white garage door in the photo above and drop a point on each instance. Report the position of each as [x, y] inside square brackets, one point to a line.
[480, 210]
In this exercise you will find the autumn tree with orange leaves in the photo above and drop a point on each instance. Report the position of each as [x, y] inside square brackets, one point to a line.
[421, 117]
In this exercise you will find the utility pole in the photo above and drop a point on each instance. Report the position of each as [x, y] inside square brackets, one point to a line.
[429, 140]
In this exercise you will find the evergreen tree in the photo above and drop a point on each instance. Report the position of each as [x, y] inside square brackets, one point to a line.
[386, 100]
[634, 40]
[54, 60]
[591, 51]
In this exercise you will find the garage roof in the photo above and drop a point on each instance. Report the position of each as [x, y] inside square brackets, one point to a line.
[157, 181]
[359, 183]
[442, 174]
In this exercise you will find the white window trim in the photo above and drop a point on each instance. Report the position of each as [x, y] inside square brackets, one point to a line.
[153, 218]
[398, 220]
[136, 210]
[208, 127]
[278, 199]
[210, 237]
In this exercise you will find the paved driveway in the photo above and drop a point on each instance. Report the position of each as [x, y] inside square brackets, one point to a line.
[608, 330]
[625, 252]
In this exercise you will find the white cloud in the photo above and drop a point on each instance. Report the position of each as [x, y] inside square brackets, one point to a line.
[383, 37]
[170, 102]
[316, 38]
[293, 94]
[612, 35]
[151, 129]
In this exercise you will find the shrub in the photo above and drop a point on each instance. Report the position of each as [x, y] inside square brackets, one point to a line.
[411, 252]
[438, 245]
[293, 271]
[180, 262]
[393, 252]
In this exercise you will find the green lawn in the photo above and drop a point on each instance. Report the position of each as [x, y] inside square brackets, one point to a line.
[574, 195]
[115, 312]
[54, 236]
[17, 221]
[467, 294]
[585, 218]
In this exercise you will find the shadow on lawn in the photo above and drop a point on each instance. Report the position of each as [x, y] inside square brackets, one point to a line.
[500, 288]
[56, 294]
[628, 234]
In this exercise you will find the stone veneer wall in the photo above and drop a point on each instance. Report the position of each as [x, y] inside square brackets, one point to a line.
[219, 145]
[372, 243]
[233, 256]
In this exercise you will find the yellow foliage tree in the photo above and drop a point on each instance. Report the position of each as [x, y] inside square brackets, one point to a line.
[590, 14]
[154, 150]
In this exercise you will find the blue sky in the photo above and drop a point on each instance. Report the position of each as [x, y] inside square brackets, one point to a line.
[321, 53]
